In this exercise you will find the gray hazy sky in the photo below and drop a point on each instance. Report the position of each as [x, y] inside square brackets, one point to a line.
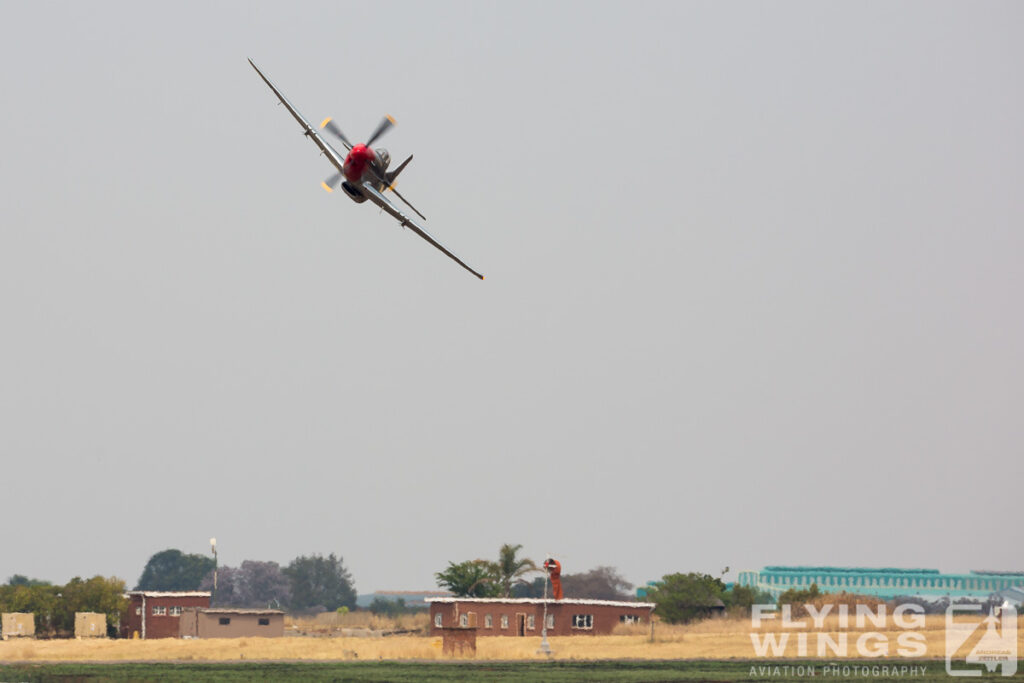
[753, 286]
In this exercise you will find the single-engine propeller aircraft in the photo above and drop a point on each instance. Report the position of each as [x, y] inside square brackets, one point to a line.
[365, 170]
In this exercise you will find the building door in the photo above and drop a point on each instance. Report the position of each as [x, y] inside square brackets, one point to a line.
[520, 624]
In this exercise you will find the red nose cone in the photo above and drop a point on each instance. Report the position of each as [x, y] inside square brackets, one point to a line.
[355, 163]
[362, 152]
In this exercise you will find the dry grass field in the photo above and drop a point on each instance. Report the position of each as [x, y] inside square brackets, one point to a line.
[355, 623]
[712, 639]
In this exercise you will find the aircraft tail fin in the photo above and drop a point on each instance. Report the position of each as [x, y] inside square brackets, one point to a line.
[391, 175]
[394, 174]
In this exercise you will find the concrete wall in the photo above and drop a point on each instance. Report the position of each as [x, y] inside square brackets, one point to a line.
[90, 625]
[17, 625]
[200, 623]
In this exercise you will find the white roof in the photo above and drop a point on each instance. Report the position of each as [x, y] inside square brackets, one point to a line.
[551, 601]
[235, 610]
[171, 594]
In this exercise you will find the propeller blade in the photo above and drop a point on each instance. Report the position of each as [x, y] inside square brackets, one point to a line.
[384, 125]
[398, 194]
[331, 182]
[332, 128]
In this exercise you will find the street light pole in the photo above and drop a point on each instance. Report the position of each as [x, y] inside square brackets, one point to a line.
[213, 547]
[545, 648]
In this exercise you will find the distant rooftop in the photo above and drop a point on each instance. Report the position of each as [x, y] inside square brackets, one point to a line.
[550, 601]
[882, 582]
[235, 610]
[440, 594]
[848, 570]
[897, 571]
[411, 598]
[171, 594]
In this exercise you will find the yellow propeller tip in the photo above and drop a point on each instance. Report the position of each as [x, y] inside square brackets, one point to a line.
[325, 122]
[390, 118]
[326, 187]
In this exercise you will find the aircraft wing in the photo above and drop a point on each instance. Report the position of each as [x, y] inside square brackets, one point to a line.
[310, 131]
[383, 202]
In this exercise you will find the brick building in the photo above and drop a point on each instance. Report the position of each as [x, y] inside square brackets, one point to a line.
[155, 614]
[523, 616]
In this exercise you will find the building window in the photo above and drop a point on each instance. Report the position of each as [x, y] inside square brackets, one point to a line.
[175, 611]
[551, 621]
[224, 621]
[159, 611]
[463, 620]
[138, 611]
[530, 623]
[504, 621]
[488, 621]
[583, 621]
[437, 620]
[264, 621]
[629, 619]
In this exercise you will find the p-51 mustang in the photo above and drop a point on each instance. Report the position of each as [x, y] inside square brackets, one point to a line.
[364, 170]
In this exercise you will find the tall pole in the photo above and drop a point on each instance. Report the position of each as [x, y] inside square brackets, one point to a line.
[213, 547]
[545, 648]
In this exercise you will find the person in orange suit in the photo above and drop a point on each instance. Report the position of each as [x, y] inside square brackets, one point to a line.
[554, 569]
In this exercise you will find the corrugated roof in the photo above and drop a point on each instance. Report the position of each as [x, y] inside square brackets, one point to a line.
[234, 610]
[551, 601]
[171, 594]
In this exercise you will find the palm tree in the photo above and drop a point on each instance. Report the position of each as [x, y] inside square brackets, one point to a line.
[473, 578]
[512, 569]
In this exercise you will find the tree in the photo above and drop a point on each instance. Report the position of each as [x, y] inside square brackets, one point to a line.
[40, 600]
[532, 589]
[98, 594]
[741, 598]
[681, 598]
[22, 580]
[172, 570]
[227, 593]
[253, 584]
[265, 582]
[800, 596]
[600, 583]
[320, 582]
[473, 578]
[55, 606]
[511, 569]
[391, 608]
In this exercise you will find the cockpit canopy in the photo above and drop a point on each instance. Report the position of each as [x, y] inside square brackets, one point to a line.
[383, 157]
